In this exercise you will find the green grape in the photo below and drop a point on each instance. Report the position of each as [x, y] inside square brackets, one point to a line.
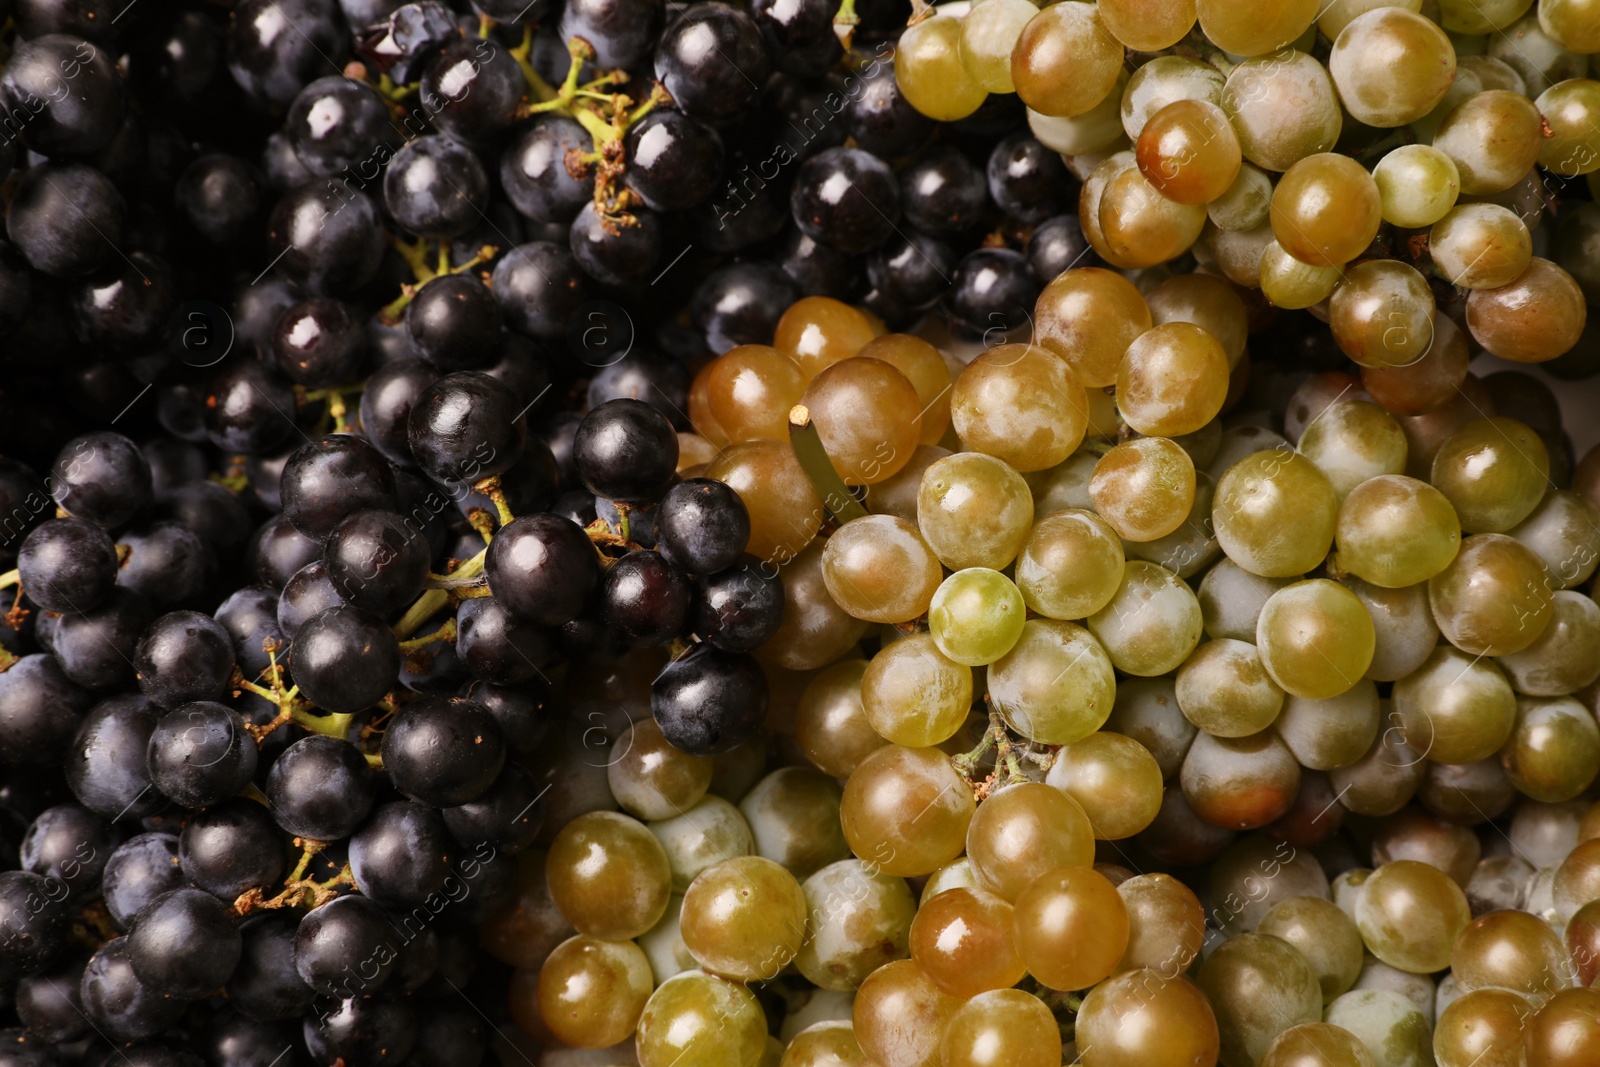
[1325, 210]
[793, 814]
[1002, 1027]
[1554, 751]
[1382, 314]
[1071, 566]
[1395, 531]
[1241, 783]
[1455, 709]
[1538, 58]
[1331, 733]
[1571, 23]
[1146, 709]
[976, 616]
[1537, 317]
[1325, 936]
[1224, 690]
[1162, 81]
[1417, 185]
[1319, 1043]
[1564, 532]
[1291, 284]
[1247, 203]
[932, 77]
[1144, 488]
[1236, 254]
[1283, 107]
[703, 836]
[1493, 138]
[1494, 472]
[1259, 986]
[1394, 1030]
[1480, 16]
[858, 919]
[696, 1019]
[1338, 14]
[1166, 924]
[914, 695]
[1065, 61]
[1410, 915]
[650, 778]
[1114, 779]
[1275, 513]
[1494, 599]
[974, 510]
[1566, 657]
[1064, 486]
[1148, 25]
[744, 918]
[1056, 685]
[1315, 638]
[1480, 246]
[954, 875]
[1352, 441]
[1152, 623]
[1231, 599]
[1391, 66]
[989, 32]
[1096, 130]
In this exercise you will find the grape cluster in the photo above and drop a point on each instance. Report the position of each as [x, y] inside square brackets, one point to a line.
[611, 532]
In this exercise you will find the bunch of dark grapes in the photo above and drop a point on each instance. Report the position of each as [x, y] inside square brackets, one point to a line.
[799, 533]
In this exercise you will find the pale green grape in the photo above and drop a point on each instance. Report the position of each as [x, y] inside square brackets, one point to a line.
[1283, 107]
[1331, 733]
[1480, 246]
[932, 77]
[1566, 657]
[1315, 638]
[1564, 532]
[1417, 185]
[1275, 513]
[1247, 202]
[1071, 566]
[1291, 284]
[1396, 531]
[1353, 440]
[1056, 685]
[989, 32]
[913, 694]
[1224, 689]
[976, 616]
[1231, 599]
[695, 1019]
[1151, 624]
[1454, 708]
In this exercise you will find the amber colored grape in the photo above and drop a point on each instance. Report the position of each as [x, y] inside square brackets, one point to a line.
[1428, 384]
[1172, 381]
[1066, 61]
[1315, 638]
[1533, 319]
[1391, 66]
[815, 630]
[1493, 138]
[1510, 950]
[785, 510]
[1382, 314]
[608, 875]
[1022, 831]
[700, 417]
[1483, 1028]
[1554, 751]
[1140, 227]
[974, 510]
[1114, 779]
[1565, 1031]
[744, 918]
[1253, 31]
[1020, 403]
[695, 1019]
[900, 1016]
[931, 75]
[1189, 152]
[1284, 108]
[1148, 25]
[867, 415]
[927, 372]
[879, 568]
[1326, 210]
[1089, 316]
[751, 389]
[591, 992]
[962, 940]
[1410, 915]
[1002, 1028]
[1316, 1045]
[1143, 488]
[1480, 246]
[914, 695]
[1324, 934]
[1146, 1018]
[1240, 783]
[1166, 924]
[652, 779]
[1071, 927]
[1056, 685]
[1494, 598]
[830, 1043]
[830, 724]
[819, 331]
[906, 810]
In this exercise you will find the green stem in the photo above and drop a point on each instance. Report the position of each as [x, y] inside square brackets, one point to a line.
[426, 607]
[7, 659]
[447, 632]
[491, 488]
[10, 578]
[845, 21]
[836, 497]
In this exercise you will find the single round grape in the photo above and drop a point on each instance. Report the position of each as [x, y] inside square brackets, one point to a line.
[974, 510]
[1283, 107]
[1166, 924]
[1141, 227]
[1326, 210]
[1189, 152]
[1246, 204]
[1382, 314]
[1325, 936]
[1391, 66]
[1291, 284]
[879, 568]
[1494, 471]
[1564, 532]
[1315, 638]
[859, 919]
[1258, 986]
[1148, 25]
[1566, 657]
[1570, 23]
[828, 1043]
[785, 509]
[1395, 531]
[1002, 1027]
[1172, 381]
[1147, 1017]
[1089, 316]
[1022, 404]
[1252, 34]
[1240, 783]
[1325, 734]
[1071, 565]
[976, 616]
[1152, 623]
[1275, 513]
[1410, 915]
[750, 390]
[711, 831]
[695, 1019]
[1480, 246]
[1535, 318]
[1316, 1045]
[914, 695]
[1494, 599]
[1236, 255]
[1224, 689]
[1554, 750]
[906, 810]
[830, 723]
[1417, 186]
[866, 413]
[1352, 441]
[987, 40]
[1022, 831]
[1482, 1027]
[744, 918]
[926, 370]
[1114, 779]
[819, 331]
[962, 939]
[592, 992]
[1071, 927]
[1493, 138]
[1564, 1031]
[1571, 109]
[1065, 62]
[609, 876]
[932, 77]
[650, 778]
[1144, 488]
[900, 1016]
[1510, 950]
[1254, 875]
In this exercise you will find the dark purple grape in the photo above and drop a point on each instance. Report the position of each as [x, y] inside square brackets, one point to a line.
[377, 560]
[50, 1007]
[230, 848]
[470, 90]
[332, 478]
[911, 272]
[235, 1040]
[67, 565]
[740, 304]
[265, 984]
[616, 252]
[944, 192]
[386, 405]
[65, 93]
[95, 650]
[540, 288]
[280, 550]
[1027, 180]
[250, 615]
[534, 172]
[524, 713]
[138, 871]
[712, 60]
[320, 788]
[465, 427]
[818, 269]
[336, 123]
[455, 322]
[508, 817]
[402, 42]
[118, 1003]
[674, 161]
[452, 1034]
[207, 509]
[344, 659]
[248, 408]
[276, 46]
[308, 593]
[200, 754]
[702, 526]
[498, 647]
[443, 751]
[645, 597]
[709, 701]
[846, 198]
[626, 450]
[740, 608]
[34, 915]
[183, 657]
[621, 31]
[221, 196]
[124, 306]
[101, 477]
[345, 948]
[184, 943]
[402, 856]
[325, 237]
[799, 35]
[363, 1029]
[1056, 246]
[436, 187]
[992, 294]
[106, 767]
[167, 564]
[880, 119]
[542, 568]
[94, 19]
[69, 844]
[319, 343]
[640, 375]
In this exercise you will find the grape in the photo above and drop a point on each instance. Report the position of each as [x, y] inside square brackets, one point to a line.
[1304, 217]
[1494, 598]
[1493, 138]
[1022, 404]
[1114, 779]
[1240, 783]
[1258, 986]
[1322, 1042]
[906, 810]
[1143, 1016]
[1071, 927]
[1224, 690]
[1071, 565]
[859, 919]
[928, 374]
[817, 332]
[1022, 832]
[900, 1015]
[830, 723]
[1275, 513]
[1291, 284]
[592, 992]
[1148, 25]
[914, 695]
[1324, 934]
[1283, 107]
[976, 616]
[1410, 915]
[1480, 246]
[751, 389]
[1331, 733]
[932, 76]
[1004, 1025]
[1056, 685]
[794, 817]
[744, 918]
[974, 510]
[1395, 531]
[696, 1017]
[1089, 316]
[1417, 66]
[962, 940]
[701, 836]
[1382, 313]
[987, 39]
[1065, 61]
[608, 875]
[1505, 322]
[1144, 488]
[1146, 710]
[1140, 227]
[879, 568]
[1315, 638]
[1554, 750]
[1560, 661]
[1232, 30]
[1163, 81]
[1479, 1024]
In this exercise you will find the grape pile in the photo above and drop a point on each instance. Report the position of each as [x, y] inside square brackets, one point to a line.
[798, 533]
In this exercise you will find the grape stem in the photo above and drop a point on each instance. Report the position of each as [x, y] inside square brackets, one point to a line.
[808, 449]
[292, 707]
[447, 632]
[416, 256]
[10, 578]
[490, 487]
[298, 890]
[845, 21]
